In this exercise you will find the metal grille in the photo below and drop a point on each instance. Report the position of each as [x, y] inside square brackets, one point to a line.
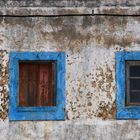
[132, 83]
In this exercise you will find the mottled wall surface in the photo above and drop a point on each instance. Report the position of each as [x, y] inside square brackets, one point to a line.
[4, 84]
[90, 43]
[68, 3]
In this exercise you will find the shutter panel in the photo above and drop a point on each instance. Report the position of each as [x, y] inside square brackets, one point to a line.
[45, 90]
[32, 84]
[51, 88]
[37, 84]
[23, 84]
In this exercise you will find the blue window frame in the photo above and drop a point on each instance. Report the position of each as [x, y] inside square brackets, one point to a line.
[37, 113]
[125, 111]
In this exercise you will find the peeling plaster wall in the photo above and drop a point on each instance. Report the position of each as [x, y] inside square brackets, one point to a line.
[68, 3]
[90, 43]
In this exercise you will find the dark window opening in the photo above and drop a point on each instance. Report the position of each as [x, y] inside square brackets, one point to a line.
[132, 83]
[37, 83]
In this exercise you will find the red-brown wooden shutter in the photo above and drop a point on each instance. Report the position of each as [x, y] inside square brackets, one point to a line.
[36, 83]
[23, 85]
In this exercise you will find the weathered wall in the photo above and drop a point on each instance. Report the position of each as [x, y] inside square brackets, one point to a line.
[68, 3]
[90, 43]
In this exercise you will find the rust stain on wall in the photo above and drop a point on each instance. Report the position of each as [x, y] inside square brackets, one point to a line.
[104, 83]
[104, 79]
[105, 111]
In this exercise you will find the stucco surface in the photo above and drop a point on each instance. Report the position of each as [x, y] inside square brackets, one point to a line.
[68, 3]
[90, 44]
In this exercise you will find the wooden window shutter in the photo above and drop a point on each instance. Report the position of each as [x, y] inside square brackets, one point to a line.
[37, 83]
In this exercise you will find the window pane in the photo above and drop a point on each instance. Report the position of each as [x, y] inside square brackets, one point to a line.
[135, 97]
[134, 71]
[134, 84]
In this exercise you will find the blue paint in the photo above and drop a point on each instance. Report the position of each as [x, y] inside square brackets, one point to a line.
[124, 112]
[37, 113]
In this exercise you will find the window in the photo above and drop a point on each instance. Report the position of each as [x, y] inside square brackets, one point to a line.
[132, 83]
[128, 85]
[37, 86]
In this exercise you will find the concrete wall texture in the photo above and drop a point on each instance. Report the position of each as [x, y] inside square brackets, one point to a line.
[68, 3]
[90, 43]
